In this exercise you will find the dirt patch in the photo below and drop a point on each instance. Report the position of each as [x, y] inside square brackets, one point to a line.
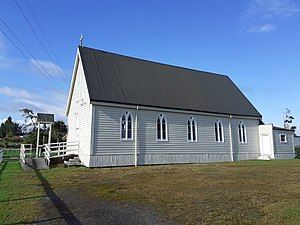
[71, 206]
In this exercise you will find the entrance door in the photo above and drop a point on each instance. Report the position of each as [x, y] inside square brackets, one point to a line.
[266, 144]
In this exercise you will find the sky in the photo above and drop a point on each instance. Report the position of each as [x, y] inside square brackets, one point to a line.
[255, 42]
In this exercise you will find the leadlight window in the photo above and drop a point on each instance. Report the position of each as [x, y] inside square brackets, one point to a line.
[192, 129]
[242, 133]
[161, 128]
[126, 126]
[219, 132]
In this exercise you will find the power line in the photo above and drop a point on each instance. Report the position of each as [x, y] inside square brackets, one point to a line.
[45, 36]
[37, 62]
[35, 34]
[8, 38]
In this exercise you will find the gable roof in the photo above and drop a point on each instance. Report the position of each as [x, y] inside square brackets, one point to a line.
[122, 79]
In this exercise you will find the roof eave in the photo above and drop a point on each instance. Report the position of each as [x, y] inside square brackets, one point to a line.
[283, 129]
[95, 102]
[73, 81]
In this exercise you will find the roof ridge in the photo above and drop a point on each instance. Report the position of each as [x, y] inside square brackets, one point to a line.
[156, 62]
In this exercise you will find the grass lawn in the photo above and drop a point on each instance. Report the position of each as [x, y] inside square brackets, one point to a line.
[15, 153]
[245, 192]
[11, 153]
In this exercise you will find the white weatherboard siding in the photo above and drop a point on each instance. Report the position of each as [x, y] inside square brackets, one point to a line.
[283, 150]
[80, 110]
[250, 149]
[297, 141]
[177, 149]
[110, 150]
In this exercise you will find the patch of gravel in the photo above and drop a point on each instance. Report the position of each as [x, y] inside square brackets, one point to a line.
[69, 206]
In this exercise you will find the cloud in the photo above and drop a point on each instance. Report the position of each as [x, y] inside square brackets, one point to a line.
[14, 92]
[23, 65]
[19, 64]
[264, 15]
[16, 121]
[49, 66]
[268, 9]
[3, 120]
[264, 28]
[39, 102]
[16, 64]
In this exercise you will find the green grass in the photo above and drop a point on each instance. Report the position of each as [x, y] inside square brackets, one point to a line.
[12, 153]
[15, 154]
[245, 192]
[20, 194]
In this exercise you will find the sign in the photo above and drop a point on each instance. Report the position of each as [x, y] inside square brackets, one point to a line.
[45, 118]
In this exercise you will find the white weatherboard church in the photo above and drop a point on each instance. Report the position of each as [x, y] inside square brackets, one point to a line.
[128, 111]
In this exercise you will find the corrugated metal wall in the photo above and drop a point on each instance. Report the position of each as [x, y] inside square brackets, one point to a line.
[109, 150]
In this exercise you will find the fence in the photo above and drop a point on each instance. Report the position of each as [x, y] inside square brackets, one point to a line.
[1, 155]
[61, 149]
[25, 151]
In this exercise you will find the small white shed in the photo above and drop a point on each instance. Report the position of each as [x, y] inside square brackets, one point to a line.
[276, 142]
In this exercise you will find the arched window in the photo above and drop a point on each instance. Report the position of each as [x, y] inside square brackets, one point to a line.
[219, 133]
[242, 133]
[161, 128]
[126, 126]
[192, 129]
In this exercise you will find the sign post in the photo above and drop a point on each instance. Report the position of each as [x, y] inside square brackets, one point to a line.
[43, 118]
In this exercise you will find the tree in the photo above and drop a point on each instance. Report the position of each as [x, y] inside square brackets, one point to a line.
[9, 128]
[288, 119]
[30, 119]
[59, 130]
[31, 138]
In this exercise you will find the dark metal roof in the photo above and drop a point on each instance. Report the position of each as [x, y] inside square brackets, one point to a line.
[121, 79]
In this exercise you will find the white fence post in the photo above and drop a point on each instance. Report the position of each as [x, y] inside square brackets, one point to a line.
[1, 155]
[37, 141]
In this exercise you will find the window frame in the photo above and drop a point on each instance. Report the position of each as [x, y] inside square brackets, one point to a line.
[127, 114]
[285, 139]
[190, 121]
[242, 133]
[218, 123]
[160, 118]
